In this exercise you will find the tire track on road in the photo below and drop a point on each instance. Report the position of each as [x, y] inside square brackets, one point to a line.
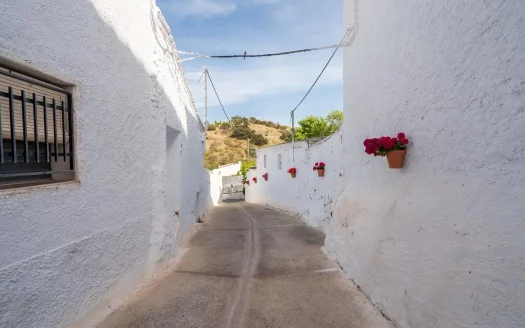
[239, 305]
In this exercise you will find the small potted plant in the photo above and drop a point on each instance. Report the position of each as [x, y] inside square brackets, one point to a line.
[247, 182]
[394, 149]
[254, 180]
[292, 171]
[265, 176]
[320, 168]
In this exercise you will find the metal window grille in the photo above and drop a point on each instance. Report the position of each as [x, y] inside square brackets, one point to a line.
[36, 128]
[279, 161]
[264, 161]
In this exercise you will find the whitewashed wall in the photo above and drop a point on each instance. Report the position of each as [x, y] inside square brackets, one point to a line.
[216, 180]
[308, 195]
[439, 243]
[71, 251]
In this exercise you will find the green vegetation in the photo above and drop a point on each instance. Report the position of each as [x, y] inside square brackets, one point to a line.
[228, 143]
[315, 126]
[245, 166]
[241, 130]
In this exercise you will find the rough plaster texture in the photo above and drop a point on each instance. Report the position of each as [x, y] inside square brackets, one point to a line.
[67, 250]
[438, 244]
[216, 178]
[308, 195]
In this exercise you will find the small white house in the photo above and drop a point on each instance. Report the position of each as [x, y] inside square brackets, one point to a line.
[101, 169]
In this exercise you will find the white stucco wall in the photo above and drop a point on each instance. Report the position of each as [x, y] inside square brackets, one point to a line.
[216, 180]
[308, 195]
[438, 244]
[70, 251]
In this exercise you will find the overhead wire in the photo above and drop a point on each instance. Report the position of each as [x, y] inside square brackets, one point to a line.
[211, 81]
[319, 76]
[197, 55]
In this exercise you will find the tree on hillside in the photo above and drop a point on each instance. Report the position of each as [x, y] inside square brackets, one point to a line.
[258, 139]
[334, 119]
[316, 126]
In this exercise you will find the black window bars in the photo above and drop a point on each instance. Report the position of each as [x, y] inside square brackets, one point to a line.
[36, 128]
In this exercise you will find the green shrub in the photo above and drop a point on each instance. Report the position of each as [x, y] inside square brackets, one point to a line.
[259, 140]
[286, 136]
[241, 132]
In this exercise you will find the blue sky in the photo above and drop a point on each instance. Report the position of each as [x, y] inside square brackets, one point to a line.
[267, 88]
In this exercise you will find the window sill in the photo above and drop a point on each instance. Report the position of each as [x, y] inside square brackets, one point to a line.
[29, 186]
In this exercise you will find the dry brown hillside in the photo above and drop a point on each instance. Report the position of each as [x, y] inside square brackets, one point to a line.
[222, 149]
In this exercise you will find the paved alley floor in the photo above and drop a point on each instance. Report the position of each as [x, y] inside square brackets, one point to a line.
[250, 266]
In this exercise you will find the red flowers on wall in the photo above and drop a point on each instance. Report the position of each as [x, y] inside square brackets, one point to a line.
[393, 148]
[319, 167]
[384, 145]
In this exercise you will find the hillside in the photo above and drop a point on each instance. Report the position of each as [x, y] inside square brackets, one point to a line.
[222, 149]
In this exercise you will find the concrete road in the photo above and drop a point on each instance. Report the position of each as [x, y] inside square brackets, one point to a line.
[250, 266]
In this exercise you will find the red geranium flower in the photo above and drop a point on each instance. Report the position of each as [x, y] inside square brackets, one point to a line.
[382, 146]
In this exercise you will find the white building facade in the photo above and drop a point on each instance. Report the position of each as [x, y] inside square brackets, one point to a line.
[439, 243]
[71, 250]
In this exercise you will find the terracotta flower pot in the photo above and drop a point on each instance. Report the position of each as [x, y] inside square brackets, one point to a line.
[396, 158]
[265, 179]
[293, 175]
[320, 172]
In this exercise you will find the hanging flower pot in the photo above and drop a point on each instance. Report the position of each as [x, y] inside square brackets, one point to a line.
[293, 172]
[254, 180]
[319, 167]
[396, 158]
[393, 148]
[265, 176]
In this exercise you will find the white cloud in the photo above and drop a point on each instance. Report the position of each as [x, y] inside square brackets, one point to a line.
[202, 8]
[208, 8]
[279, 77]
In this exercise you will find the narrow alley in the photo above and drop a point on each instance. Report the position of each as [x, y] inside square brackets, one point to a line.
[251, 266]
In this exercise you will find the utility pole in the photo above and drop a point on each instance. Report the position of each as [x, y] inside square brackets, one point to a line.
[206, 97]
[205, 74]
[293, 136]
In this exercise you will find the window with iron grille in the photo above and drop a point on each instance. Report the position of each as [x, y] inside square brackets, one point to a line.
[279, 161]
[36, 130]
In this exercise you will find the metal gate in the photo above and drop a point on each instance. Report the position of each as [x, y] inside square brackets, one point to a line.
[232, 188]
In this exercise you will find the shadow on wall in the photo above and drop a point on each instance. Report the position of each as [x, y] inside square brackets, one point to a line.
[90, 250]
[308, 195]
[216, 180]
